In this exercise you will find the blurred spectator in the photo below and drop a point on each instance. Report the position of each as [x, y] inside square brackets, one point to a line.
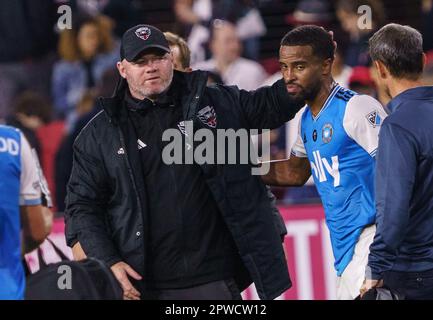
[33, 116]
[31, 110]
[27, 46]
[86, 52]
[50, 136]
[361, 82]
[226, 59]
[317, 12]
[427, 24]
[271, 79]
[198, 15]
[340, 70]
[347, 13]
[181, 53]
[427, 76]
[124, 13]
[63, 157]
[88, 7]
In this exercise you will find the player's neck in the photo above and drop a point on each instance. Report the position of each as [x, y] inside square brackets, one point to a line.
[398, 86]
[317, 104]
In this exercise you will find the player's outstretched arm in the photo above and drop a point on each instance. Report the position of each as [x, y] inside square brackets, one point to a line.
[289, 172]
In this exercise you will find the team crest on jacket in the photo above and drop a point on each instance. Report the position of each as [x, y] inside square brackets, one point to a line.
[181, 126]
[207, 115]
[143, 33]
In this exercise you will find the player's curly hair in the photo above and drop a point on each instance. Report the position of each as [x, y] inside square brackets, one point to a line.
[310, 35]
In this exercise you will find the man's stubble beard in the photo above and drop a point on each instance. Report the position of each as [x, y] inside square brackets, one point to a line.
[307, 94]
[138, 90]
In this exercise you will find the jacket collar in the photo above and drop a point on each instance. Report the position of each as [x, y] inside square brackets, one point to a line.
[192, 83]
[418, 93]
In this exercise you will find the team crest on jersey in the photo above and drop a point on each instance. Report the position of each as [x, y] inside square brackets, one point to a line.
[374, 118]
[327, 132]
[207, 115]
[143, 33]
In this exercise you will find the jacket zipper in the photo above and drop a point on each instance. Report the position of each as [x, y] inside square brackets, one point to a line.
[184, 259]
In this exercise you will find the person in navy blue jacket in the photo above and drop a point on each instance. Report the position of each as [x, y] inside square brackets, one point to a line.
[401, 255]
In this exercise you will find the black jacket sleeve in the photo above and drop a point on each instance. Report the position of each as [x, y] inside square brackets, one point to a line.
[85, 204]
[268, 107]
[278, 219]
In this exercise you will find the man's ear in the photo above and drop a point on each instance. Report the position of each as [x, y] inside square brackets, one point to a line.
[327, 66]
[424, 60]
[382, 70]
[121, 69]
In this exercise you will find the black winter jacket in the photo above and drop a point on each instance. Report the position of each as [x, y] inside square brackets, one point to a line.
[106, 199]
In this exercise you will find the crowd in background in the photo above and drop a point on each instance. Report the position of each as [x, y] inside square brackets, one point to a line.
[50, 79]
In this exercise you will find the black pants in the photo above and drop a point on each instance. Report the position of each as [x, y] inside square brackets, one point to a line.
[413, 285]
[217, 290]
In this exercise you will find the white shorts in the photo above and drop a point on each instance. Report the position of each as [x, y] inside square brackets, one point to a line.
[350, 282]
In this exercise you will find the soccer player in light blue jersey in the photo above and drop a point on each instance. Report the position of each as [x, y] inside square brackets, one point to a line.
[23, 195]
[337, 142]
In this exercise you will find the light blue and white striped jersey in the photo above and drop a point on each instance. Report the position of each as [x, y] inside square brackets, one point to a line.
[19, 185]
[340, 143]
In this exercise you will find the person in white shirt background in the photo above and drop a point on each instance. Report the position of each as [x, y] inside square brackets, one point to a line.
[226, 60]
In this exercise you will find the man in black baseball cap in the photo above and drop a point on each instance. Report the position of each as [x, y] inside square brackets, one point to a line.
[139, 38]
[146, 62]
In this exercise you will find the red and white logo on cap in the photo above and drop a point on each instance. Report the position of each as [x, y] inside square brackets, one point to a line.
[143, 33]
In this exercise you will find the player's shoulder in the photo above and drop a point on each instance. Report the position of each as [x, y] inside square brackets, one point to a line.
[362, 107]
[10, 132]
[363, 101]
[344, 94]
[6, 128]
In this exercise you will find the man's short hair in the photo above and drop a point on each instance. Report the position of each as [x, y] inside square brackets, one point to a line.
[185, 53]
[400, 49]
[309, 35]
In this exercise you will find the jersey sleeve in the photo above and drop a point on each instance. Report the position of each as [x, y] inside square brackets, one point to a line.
[30, 190]
[298, 149]
[362, 120]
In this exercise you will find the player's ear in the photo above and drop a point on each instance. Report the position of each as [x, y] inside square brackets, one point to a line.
[327, 66]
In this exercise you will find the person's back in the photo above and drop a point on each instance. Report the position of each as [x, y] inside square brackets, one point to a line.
[401, 255]
[413, 114]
